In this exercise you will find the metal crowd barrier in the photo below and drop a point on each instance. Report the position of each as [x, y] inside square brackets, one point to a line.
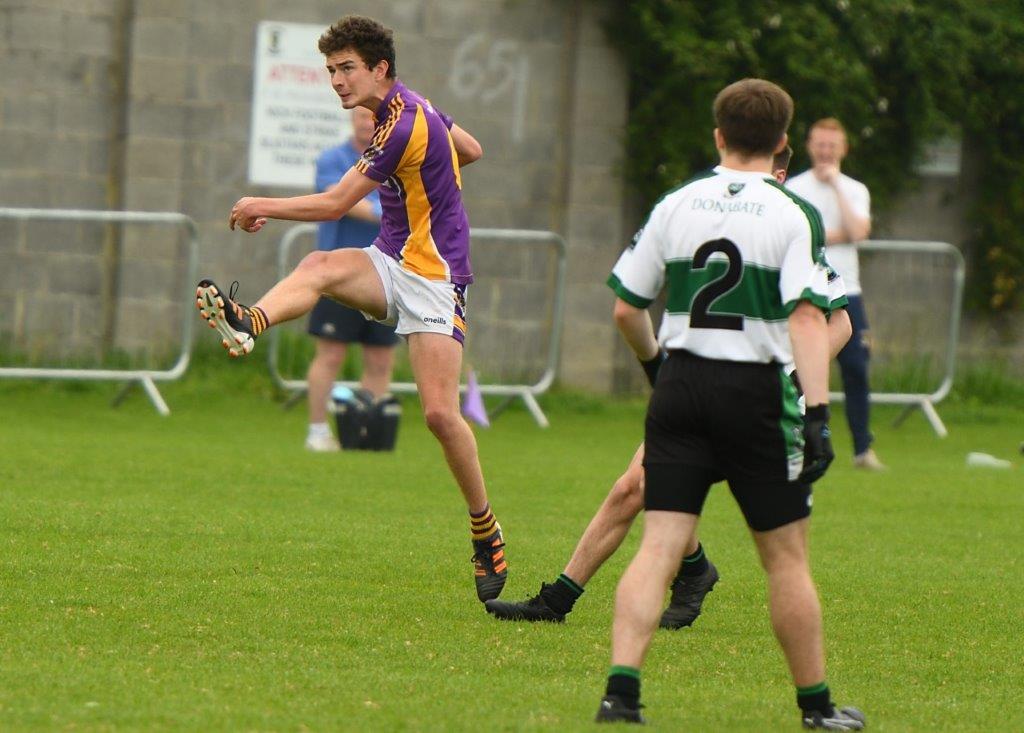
[527, 392]
[925, 402]
[146, 378]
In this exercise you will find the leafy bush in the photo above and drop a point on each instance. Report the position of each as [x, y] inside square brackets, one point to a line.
[898, 73]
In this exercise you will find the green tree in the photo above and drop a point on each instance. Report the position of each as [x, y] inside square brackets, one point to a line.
[898, 73]
[993, 123]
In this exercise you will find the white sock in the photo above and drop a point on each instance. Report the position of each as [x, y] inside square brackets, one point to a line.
[319, 430]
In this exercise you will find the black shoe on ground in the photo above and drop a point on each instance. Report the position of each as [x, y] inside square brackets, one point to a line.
[613, 710]
[687, 596]
[489, 567]
[232, 320]
[532, 609]
[840, 719]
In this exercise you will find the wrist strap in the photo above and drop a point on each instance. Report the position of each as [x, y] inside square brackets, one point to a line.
[652, 365]
[817, 412]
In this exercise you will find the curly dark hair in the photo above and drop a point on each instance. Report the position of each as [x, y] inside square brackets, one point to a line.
[368, 38]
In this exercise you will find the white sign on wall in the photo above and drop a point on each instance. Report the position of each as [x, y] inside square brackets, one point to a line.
[295, 113]
[941, 158]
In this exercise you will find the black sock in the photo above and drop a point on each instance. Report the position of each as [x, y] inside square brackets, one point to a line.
[815, 697]
[624, 683]
[561, 595]
[695, 564]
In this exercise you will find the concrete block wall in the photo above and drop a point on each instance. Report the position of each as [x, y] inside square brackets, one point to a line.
[145, 104]
[147, 107]
[597, 233]
[510, 307]
[50, 290]
[60, 72]
[58, 145]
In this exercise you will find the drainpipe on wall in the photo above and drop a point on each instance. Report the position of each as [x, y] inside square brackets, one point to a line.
[120, 70]
[570, 55]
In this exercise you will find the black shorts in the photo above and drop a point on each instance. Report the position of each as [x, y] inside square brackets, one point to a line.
[711, 420]
[332, 320]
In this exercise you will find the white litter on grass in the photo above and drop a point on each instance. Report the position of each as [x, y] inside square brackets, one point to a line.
[984, 460]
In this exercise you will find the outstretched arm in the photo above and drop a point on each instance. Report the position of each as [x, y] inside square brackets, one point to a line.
[466, 146]
[251, 213]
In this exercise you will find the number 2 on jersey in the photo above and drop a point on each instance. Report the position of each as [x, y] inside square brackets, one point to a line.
[707, 295]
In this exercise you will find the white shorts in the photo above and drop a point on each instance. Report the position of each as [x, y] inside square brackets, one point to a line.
[418, 305]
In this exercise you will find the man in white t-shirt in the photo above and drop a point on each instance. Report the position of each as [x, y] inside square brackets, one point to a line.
[845, 206]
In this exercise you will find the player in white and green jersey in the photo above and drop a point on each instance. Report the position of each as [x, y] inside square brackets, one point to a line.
[736, 252]
[742, 262]
[608, 528]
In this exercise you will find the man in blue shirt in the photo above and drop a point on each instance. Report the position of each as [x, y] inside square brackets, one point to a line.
[333, 325]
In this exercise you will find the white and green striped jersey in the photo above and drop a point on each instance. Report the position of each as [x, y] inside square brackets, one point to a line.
[841, 255]
[736, 252]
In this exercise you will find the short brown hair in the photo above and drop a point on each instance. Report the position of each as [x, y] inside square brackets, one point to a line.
[753, 115]
[827, 123]
[368, 38]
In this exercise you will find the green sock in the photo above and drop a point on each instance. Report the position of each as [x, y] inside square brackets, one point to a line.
[624, 683]
[562, 595]
[695, 564]
[815, 697]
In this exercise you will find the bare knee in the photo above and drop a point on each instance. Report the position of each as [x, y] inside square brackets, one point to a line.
[313, 261]
[628, 492]
[329, 354]
[330, 360]
[442, 422]
[313, 267]
[787, 570]
[378, 362]
[784, 548]
[784, 560]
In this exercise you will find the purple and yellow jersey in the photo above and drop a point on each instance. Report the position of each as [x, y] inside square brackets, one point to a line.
[424, 224]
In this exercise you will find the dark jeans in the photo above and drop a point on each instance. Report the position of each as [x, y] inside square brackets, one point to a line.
[853, 365]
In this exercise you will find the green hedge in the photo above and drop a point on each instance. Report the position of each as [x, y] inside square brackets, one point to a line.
[898, 73]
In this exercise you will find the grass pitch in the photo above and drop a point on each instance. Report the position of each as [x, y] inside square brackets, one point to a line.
[202, 572]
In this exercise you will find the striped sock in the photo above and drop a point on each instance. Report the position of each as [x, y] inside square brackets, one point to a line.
[259, 320]
[482, 525]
